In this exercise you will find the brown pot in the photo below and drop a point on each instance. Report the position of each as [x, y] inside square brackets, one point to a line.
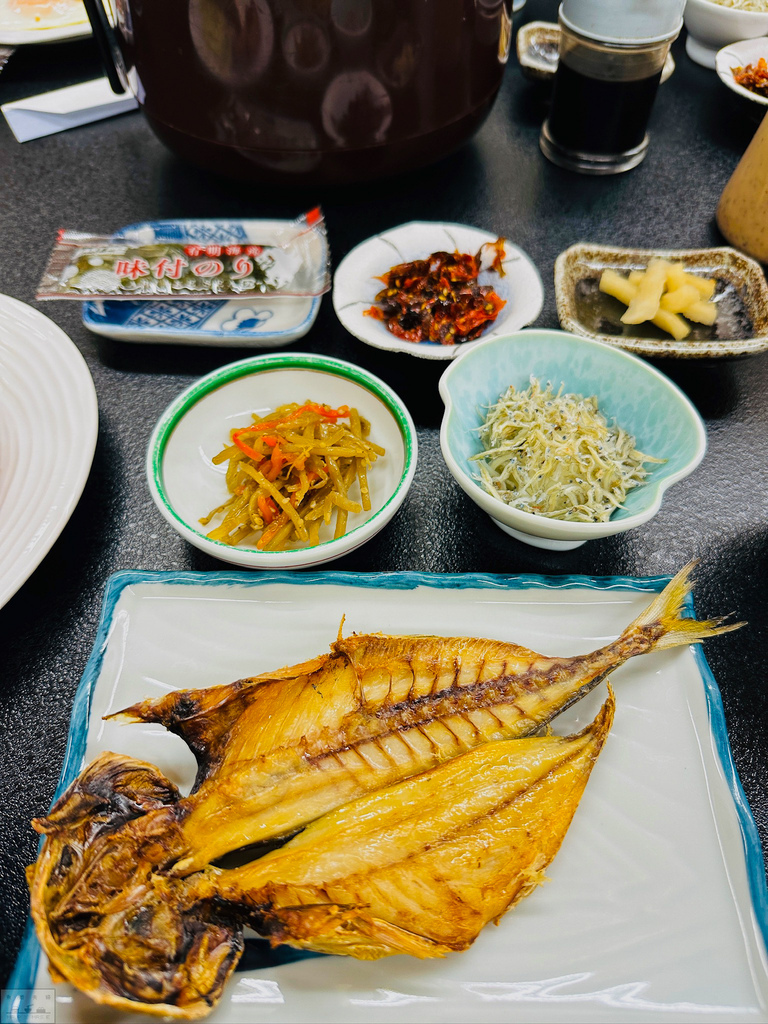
[327, 90]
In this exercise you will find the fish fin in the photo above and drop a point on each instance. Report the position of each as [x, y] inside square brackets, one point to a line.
[662, 620]
[348, 930]
[183, 705]
[206, 718]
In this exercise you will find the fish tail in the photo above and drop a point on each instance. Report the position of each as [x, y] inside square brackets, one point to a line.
[662, 624]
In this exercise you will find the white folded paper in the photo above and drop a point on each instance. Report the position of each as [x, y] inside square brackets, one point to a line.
[52, 112]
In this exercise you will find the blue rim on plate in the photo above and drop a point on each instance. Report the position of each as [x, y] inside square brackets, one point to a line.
[26, 968]
[262, 322]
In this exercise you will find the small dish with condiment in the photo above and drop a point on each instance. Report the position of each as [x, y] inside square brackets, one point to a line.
[741, 297]
[357, 282]
[713, 24]
[739, 56]
[630, 393]
[538, 51]
[271, 321]
[186, 483]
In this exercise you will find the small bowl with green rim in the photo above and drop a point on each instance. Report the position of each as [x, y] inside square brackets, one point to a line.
[629, 391]
[185, 484]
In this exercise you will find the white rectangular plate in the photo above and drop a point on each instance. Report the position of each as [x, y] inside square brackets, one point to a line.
[656, 905]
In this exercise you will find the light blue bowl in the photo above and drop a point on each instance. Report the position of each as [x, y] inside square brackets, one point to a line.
[630, 391]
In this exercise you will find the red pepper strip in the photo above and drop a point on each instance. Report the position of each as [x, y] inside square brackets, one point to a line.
[271, 467]
[321, 410]
[267, 507]
[277, 461]
[245, 447]
[271, 440]
[271, 530]
[497, 302]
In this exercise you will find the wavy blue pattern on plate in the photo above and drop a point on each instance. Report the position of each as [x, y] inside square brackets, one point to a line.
[25, 970]
[176, 315]
[197, 231]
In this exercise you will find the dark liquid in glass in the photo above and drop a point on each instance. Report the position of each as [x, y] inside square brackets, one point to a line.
[589, 115]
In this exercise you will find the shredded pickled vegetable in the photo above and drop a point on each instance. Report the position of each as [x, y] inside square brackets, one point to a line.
[744, 5]
[292, 471]
[555, 455]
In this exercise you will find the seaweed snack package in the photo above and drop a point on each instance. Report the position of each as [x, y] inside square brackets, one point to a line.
[294, 262]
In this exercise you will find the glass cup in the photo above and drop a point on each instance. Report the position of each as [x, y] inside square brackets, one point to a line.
[602, 98]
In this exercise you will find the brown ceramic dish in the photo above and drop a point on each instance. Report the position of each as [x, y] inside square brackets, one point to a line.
[741, 328]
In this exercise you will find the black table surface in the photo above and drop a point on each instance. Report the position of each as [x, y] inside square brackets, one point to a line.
[101, 176]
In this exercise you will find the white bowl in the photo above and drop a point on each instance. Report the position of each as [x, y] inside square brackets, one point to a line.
[630, 391]
[356, 284]
[185, 484]
[711, 26]
[738, 55]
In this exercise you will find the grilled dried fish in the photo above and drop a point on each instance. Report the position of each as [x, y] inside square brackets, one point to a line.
[109, 920]
[422, 866]
[276, 752]
[126, 898]
[419, 868]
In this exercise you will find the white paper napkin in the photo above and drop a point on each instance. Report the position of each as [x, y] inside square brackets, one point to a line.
[52, 112]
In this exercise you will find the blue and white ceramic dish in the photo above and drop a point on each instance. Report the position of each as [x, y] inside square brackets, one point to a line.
[268, 322]
[630, 391]
[655, 909]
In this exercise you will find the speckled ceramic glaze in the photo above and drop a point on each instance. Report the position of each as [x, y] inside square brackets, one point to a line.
[630, 391]
[538, 51]
[741, 328]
